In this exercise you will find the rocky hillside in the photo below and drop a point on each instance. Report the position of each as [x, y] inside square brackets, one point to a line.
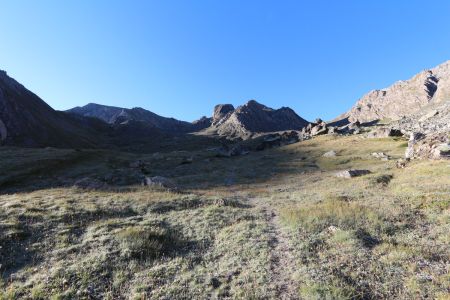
[118, 115]
[404, 97]
[253, 117]
[26, 120]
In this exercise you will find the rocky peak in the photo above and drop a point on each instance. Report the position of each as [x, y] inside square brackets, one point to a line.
[253, 117]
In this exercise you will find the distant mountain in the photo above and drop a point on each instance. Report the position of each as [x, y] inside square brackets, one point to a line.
[26, 120]
[404, 98]
[251, 118]
[118, 115]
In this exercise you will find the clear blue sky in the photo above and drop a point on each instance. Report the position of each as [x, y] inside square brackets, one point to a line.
[180, 58]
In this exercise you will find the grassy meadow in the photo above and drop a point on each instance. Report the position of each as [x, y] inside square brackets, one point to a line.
[273, 224]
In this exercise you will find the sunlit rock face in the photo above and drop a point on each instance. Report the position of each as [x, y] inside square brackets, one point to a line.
[404, 98]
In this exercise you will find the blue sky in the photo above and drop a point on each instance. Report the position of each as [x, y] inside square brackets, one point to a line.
[180, 58]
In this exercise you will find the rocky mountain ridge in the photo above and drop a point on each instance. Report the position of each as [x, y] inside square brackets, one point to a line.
[118, 115]
[404, 98]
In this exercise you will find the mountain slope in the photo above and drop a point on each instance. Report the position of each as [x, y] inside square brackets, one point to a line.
[117, 115]
[26, 120]
[253, 117]
[404, 98]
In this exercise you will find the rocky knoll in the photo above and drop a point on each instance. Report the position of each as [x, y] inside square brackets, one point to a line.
[26, 120]
[404, 97]
[118, 115]
[251, 118]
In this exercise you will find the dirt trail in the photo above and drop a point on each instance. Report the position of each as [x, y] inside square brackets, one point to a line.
[282, 263]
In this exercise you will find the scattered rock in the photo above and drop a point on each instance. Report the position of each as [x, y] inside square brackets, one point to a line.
[331, 153]
[352, 173]
[401, 163]
[381, 155]
[159, 182]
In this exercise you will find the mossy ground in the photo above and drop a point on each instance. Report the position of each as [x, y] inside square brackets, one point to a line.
[361, 238]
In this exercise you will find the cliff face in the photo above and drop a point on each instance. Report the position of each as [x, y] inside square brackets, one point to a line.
[404, 97]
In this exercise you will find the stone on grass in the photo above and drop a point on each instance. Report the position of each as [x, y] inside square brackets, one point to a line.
[352, 173]
[159, 182]
[331, 153]
[381, 155]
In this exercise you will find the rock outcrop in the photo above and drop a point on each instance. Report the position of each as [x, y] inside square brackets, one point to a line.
[404, 97]
[251, 118]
